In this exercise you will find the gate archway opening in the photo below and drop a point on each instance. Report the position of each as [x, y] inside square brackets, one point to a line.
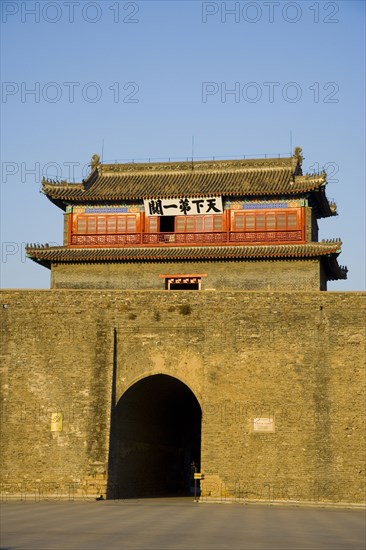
[155, 438]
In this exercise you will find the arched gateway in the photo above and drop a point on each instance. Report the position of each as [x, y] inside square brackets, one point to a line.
[155, 437]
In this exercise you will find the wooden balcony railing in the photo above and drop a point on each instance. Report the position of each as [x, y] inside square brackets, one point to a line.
[106, 240]
[184, 238]
[265, 236]
[175, 239]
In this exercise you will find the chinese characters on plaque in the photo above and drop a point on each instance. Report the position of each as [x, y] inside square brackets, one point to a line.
[183, 206]
[262, 425]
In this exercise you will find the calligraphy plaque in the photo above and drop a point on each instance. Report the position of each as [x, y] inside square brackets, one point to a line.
[186, 206]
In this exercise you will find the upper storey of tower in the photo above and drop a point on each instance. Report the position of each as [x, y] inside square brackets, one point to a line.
[249, 178]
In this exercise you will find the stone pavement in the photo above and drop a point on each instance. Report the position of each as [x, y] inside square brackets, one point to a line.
[164, 524]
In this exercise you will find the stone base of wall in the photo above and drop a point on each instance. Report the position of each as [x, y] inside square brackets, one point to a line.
[297, 358]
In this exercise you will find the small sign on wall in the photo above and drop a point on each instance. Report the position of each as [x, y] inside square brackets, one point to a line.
[263, 425]
[56, 422]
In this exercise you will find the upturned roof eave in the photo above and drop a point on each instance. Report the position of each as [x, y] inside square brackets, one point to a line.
[320, 202]
[64, 200]
[328, 259]
[59, 203]
[60, 254]
[334, 271]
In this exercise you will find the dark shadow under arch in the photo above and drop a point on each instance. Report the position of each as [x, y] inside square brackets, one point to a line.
[155, 437]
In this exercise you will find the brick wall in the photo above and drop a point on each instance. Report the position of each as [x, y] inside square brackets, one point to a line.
[263, 275]
[295, 357]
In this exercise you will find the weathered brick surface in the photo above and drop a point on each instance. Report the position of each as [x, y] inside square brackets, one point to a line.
[258, 275]
[295, 356]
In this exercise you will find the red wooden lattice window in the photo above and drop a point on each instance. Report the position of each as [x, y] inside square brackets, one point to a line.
[152, 224]
[199, 224]
[266, 221]
[105, 225]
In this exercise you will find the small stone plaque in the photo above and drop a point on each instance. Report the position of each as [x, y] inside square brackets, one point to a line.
[56, 422]
[263, 425]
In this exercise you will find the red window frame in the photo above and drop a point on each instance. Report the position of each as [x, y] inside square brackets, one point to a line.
[105, 224]
[254, 221]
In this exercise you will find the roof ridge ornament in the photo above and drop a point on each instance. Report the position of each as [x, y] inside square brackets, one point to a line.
[95, 165]
[298, 155]
[297, 160]
[333, 207]
[95, 162]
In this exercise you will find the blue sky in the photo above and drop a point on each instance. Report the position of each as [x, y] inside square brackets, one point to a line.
[144, 77]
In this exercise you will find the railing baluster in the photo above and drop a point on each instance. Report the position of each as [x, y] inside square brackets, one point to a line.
[181, 238]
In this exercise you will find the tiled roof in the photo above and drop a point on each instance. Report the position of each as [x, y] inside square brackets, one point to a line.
[63, 254]
[227, 178]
